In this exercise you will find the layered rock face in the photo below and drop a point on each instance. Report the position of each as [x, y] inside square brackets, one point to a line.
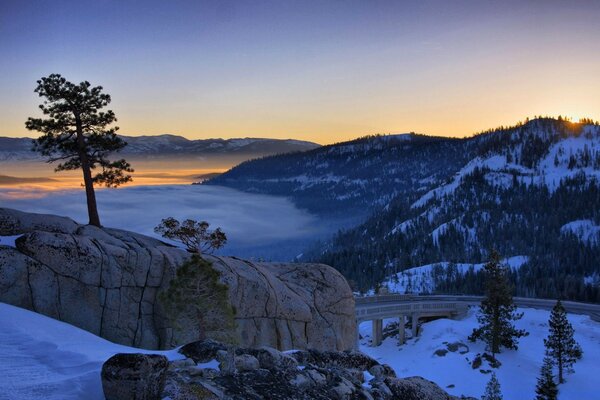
[261, 373]
[107, 281]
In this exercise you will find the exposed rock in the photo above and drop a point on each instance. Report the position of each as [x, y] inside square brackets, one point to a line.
[318, 375]
[246, 362]
[202, 351]
[107, 281]
[416, 388]
[134, 376]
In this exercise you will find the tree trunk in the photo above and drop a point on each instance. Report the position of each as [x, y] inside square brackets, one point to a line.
[560, 370]
[94, 218]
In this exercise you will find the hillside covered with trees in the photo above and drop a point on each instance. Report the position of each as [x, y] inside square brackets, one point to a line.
[530, 190]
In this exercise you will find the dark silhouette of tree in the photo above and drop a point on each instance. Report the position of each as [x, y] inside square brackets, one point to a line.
[546, 388]
[497, 310]
[195, 235]
[492, 389]
[77, 134]
[561, 346]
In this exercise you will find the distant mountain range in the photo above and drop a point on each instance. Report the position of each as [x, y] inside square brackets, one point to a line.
[166, 146]
[530, 191]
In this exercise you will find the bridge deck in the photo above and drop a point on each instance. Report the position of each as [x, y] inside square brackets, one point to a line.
[389, 306]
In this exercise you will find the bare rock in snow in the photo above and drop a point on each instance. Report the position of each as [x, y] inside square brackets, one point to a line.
[313, 375]
[134, 376]
[107, 281]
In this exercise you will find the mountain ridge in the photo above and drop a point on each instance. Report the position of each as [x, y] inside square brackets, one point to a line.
[440, 200]
[168, 144]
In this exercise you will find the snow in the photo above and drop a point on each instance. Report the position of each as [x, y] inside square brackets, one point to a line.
[551, 170]
[585, 229]
[212, 364]
[421, 279]
[519, 369]
[367, 378]
[41, 358]
[593, 280]
[401, 227]
[9, 240]
[493, 163]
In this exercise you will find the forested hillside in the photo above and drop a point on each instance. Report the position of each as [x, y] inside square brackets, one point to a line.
[352, 179]
[532, 191]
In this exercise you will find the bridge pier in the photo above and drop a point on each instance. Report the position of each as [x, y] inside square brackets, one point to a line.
[401, 333]
[377, 334]
[414, 324]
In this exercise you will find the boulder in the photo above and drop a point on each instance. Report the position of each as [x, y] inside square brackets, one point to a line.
[416, 388]
[134, 376]
[108, 281]
[320, 376]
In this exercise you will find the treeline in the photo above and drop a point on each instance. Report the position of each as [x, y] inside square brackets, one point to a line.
[352, 179]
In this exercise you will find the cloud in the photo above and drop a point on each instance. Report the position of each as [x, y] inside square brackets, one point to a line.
[256, 225]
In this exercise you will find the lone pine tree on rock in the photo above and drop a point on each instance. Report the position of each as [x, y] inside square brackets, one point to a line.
[546, 388]
[561, 346]
[77, 133]
[498, 312]
[195, 235]
[492, 389]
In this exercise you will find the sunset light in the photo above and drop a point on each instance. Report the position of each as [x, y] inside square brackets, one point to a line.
[299, 200]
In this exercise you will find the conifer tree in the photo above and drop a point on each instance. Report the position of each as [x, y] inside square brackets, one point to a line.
[498, 311]
[78, 135]
[195, 293]
[195, 235]
[546, 388]
[561, 346]
[492, 389]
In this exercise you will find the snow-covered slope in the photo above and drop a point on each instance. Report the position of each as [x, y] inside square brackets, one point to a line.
[425, 278]
[45, 359]
[521, 191]
[519, 369]
[566, 158]
[585, 229]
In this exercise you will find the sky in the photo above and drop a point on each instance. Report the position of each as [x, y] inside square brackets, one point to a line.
[324, 71]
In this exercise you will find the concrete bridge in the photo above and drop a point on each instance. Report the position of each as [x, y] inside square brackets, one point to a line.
[415, 307]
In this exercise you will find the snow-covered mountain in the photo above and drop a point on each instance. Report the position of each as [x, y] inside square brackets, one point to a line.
[170, 145]
[531, 190]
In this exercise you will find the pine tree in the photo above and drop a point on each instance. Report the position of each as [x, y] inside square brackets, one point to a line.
[561, 346]
[78, 134]
[546, 388]
[497, 310]
[492, 389]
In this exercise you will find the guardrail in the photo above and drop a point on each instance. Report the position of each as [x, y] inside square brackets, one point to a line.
[365, 305]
